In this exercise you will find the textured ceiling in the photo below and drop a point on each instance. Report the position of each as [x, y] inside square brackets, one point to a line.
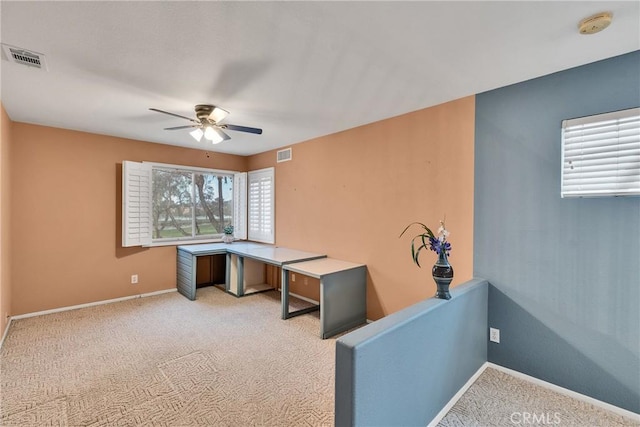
[298, 70]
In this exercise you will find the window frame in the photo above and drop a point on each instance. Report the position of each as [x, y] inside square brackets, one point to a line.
[192, 170]
[599, 155]
[137, 193]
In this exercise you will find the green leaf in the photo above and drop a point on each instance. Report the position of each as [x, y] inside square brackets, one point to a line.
[427, 229]
[413, 251]
[424, 243]
[416, 257]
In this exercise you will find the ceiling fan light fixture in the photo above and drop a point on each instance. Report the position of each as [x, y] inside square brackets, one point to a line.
[218, 114]
[209, 133]
[197, 134]
[206, 125]
[213, 135]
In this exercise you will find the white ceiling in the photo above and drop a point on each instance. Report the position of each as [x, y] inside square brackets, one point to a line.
[298, 70]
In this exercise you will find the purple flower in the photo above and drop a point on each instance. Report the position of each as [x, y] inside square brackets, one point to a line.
[428, 240]
[437, 245]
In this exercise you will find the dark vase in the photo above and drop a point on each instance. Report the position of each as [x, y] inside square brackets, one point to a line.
[443, 275]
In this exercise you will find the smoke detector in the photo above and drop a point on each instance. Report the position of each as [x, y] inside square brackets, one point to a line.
[24, 57]
[595, 23]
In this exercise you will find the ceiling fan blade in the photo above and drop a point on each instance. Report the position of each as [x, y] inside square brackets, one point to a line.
[243, 129]
[182, 127]
[218, 114]
[175, 115]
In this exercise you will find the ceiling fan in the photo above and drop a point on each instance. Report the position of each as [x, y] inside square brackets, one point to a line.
[208, 124]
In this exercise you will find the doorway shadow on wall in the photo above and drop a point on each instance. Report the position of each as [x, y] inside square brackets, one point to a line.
[120, 251]
[529, 346]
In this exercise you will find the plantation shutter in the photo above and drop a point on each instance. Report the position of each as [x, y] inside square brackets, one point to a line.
[601, 155]
[261, 205]
[240, 206]
[136, 204]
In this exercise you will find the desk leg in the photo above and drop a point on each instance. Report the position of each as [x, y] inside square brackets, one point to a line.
[285, 300]
[240, 275]
[227, 273]
[285, 294]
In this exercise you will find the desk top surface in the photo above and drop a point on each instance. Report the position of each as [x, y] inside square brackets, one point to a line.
[322, 267]
[259, 251]
[277, 255]
[211, 248]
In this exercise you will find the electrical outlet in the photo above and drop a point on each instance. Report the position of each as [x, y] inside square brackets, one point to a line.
[306, 281]
[293, 277]
[494, 335]
[134, 279]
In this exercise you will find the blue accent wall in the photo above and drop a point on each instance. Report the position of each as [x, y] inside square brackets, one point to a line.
[564, 273]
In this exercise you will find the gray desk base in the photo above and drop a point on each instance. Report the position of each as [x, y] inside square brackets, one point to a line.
[186, 274]
[343, 302]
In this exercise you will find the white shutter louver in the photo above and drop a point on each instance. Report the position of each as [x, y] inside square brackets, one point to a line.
[136, 204]
[240, 206]
[261, 209]
[601, 155]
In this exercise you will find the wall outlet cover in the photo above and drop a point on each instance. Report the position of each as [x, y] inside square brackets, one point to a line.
[494, 335]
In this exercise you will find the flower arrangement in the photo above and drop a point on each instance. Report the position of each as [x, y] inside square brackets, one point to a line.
[428, 240]
[228, 230]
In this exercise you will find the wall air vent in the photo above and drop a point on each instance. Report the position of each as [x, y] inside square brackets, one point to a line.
[24, 57]
[284, 155]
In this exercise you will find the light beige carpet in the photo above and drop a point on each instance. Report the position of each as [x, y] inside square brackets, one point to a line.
[165, 360]
[499, 399]
[216, 361]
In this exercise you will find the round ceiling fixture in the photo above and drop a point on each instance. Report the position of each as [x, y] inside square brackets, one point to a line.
[595, 23]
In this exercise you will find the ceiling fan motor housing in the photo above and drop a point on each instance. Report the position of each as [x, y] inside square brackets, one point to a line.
[203, 111]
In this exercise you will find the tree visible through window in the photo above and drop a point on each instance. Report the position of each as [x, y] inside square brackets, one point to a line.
[188, 204]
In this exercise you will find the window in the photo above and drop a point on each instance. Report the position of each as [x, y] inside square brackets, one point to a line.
[164, 204]
[188, 204]
[601, 155]
[260, 212]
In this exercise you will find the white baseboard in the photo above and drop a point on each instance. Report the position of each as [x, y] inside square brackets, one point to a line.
[567, 392]
[6, 331]
[91, 304]
[457, 396]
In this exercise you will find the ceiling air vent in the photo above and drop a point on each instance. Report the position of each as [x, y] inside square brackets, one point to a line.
[284, 155]
[24, 57]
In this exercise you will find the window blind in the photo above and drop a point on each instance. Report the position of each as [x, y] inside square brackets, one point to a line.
[601, 155]
[240, 206]
[261, 204]
[136, 204]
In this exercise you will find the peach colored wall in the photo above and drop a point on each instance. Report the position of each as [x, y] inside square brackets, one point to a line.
[66, 217]
[5, 229]
[350, 195]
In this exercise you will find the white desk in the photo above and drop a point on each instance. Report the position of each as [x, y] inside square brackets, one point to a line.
[343, 293]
